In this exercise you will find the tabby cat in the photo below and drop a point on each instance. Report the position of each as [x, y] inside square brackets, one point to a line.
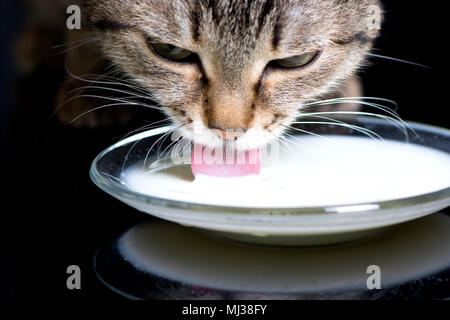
[215, 66]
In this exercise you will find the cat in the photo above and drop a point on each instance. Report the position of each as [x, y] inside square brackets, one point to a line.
[220, 66]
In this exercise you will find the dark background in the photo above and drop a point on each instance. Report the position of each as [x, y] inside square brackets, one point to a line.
[53, 216]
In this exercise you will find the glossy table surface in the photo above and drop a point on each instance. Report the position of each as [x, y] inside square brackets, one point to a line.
[161, 260]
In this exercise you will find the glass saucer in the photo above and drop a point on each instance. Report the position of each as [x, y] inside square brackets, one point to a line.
[306, 226]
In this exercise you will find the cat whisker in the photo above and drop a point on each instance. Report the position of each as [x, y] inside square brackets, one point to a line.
[189, 144]
[358, 99]
[304, 131]
[155, 166]
[75, 44]
[294, 141]
[367, 132]
[131, 94]
[285, 147]
[353, 127]
[402, 125]
[128, 154]
[123, 103]
[152, 125]
[123, 100]
[399, 60]
[112, 80]
[158, 151]
[168, 149]
[394, 121]
[70, 43]
[94, 109]
[134, 145]
[164, 136]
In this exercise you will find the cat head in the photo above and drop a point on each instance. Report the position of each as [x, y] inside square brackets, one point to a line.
[235, 65]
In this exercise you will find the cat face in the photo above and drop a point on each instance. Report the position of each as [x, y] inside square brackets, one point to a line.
[237, 65]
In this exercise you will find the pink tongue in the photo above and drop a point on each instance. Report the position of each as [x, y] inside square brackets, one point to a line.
[227, 163]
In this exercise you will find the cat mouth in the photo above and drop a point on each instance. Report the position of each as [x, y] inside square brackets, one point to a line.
[252, 138]
[240, 140]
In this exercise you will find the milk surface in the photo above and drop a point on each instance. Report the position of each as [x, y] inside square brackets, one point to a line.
[310, 172]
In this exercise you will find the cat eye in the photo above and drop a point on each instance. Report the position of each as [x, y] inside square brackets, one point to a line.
[297, 61]
[170, 52]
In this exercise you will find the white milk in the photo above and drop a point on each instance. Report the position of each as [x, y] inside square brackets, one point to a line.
[312, 172]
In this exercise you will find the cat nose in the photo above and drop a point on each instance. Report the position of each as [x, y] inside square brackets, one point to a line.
[228, 112]
[227, 134]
